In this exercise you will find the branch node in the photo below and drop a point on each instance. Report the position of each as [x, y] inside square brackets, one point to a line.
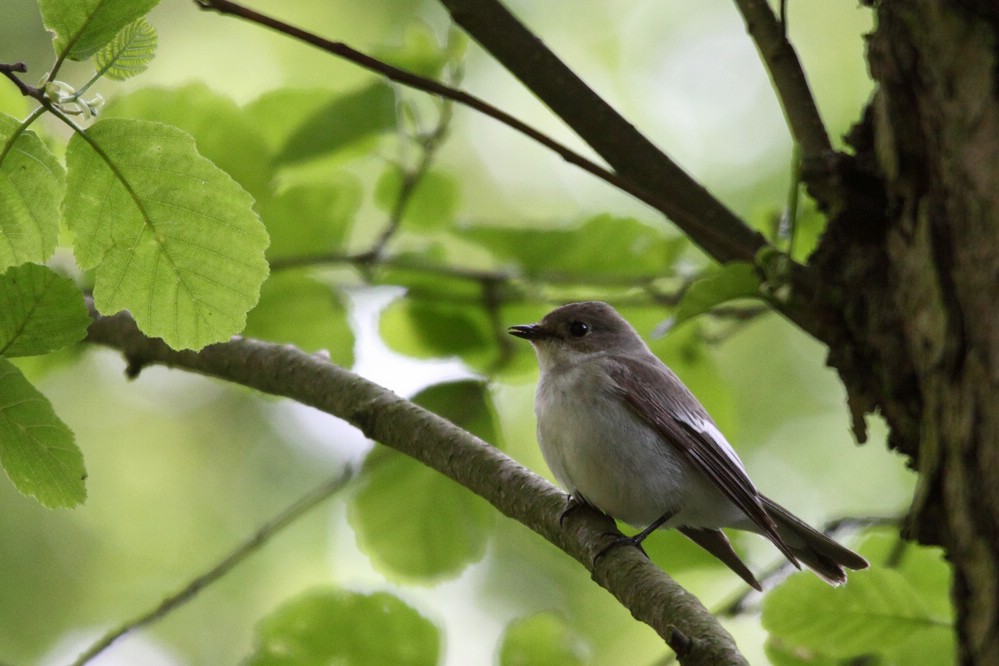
[135, 365]
[680, 642]
[10, 71]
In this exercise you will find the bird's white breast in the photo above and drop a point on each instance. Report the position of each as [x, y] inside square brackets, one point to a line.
[596, 446]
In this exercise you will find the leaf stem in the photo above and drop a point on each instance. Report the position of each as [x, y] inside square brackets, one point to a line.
[429, 145]
[32, 117]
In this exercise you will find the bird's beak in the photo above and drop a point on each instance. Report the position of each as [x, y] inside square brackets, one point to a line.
[530, 332]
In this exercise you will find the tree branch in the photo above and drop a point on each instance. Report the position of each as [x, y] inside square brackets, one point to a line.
[788, 78]
[417, 82]
[643, 170]
[11, 71]
[650, 595]
[691, 207]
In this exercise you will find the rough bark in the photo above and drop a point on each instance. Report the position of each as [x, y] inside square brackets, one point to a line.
[916, 269]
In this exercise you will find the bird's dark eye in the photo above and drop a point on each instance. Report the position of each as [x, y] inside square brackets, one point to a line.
[578, 329]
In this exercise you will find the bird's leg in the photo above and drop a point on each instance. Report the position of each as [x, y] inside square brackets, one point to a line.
[635, 540]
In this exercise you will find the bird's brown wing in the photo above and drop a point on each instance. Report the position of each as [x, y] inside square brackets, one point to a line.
[659, 398]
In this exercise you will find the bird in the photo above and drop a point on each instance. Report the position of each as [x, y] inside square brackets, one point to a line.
[623, 434]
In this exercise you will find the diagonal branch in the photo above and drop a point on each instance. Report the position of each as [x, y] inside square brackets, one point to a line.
[640, 169]
[417, 82]
[691, 207]
[650, 595]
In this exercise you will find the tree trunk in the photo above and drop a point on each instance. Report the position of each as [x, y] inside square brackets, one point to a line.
[921, 278]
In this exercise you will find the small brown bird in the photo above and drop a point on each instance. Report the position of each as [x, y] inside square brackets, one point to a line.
[622, 433]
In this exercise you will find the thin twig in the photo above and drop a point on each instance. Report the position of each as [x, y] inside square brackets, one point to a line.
[737, 317]
[224, 566]
[788, 77]
[11, 71]
[789, 221]
[429, 144]
[441, 90]
[364, 259]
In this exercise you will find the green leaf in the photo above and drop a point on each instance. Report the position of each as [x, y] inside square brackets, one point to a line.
[432, 203]
[40, 311]
[339, 627]
[277, 114]
[172, 238]
[298, 310]
[465, 403]
[423, 269]
[12, 102]
[129, 53]
[781, 654]
[312, 219]
[601, 247]
[924, 567]
[31, 186]
[415, 522]
[36, 448]
[343, 122]
[737, 279]
[224, 133]
[81, 27]
[430, 329]
[876, 611]
[420, 52]
[540, 640]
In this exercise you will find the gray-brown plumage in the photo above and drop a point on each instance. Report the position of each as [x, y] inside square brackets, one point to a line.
[620, 431]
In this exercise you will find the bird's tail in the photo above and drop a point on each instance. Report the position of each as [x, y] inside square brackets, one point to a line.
[813, 548]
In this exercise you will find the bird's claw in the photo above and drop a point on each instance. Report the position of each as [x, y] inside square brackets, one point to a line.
[619, 541]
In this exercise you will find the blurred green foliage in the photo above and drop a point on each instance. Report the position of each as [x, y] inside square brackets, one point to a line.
[334, 627]
[356, 194]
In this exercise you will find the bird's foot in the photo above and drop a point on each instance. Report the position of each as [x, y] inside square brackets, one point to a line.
[620, 540]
